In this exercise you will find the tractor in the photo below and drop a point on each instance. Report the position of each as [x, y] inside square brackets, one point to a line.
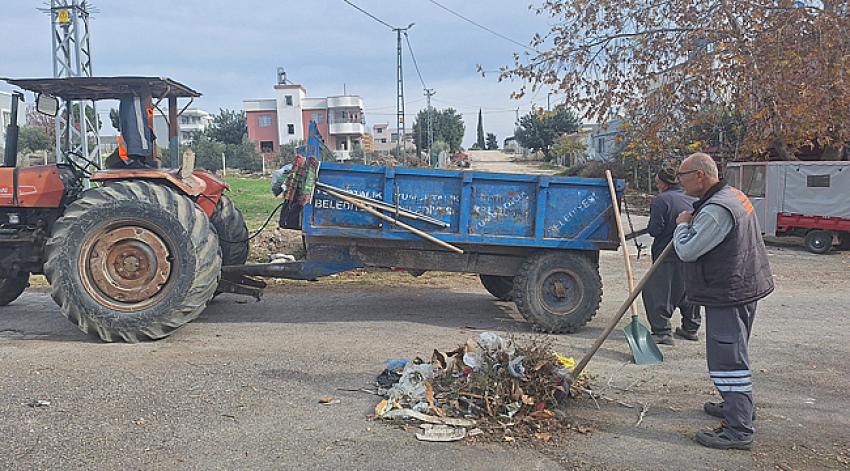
[133, 251]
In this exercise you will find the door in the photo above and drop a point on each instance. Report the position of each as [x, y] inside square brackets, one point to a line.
[753, 184]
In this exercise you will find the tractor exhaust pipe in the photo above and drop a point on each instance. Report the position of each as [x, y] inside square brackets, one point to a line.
[10, 158]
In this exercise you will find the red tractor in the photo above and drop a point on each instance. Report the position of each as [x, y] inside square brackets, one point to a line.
[131, 252]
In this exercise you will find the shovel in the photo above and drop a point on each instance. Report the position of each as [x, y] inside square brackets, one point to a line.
[644, 350]
[619, 315]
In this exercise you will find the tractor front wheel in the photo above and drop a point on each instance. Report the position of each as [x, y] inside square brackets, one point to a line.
[11, 288]
[132, 260]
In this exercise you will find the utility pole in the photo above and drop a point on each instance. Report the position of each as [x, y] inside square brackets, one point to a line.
[401, 142]
[71, 49]
[429, 92]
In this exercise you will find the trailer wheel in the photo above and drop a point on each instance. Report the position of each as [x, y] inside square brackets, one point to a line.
[499, 286]
[229, 224]
[558, 292]
[819, 241]
[12, 287]
[132, 260]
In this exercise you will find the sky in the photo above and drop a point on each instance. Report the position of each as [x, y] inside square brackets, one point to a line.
[230, 50]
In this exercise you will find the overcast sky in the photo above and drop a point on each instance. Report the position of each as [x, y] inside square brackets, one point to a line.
[230, 51]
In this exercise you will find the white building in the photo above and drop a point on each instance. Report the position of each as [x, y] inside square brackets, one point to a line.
[191, 122]
[385, 138]
[6, 115]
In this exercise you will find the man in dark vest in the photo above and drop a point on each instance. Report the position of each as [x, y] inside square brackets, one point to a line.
[665, 291]
[727, 271]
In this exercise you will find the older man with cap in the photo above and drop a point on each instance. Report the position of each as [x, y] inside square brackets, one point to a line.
[665, 291]
[727, 271]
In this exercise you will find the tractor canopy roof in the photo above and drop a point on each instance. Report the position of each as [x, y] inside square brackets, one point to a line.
[105, 88]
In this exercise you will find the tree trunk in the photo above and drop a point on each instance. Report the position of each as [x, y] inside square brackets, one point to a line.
[781, 148]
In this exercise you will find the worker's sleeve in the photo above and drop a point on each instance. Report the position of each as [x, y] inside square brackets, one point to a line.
[707, 230]
[657, 217]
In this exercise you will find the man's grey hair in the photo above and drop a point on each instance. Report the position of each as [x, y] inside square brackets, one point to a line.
[704, 162]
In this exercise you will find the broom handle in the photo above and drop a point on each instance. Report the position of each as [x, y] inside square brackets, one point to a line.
[629, 276]
[616, 319]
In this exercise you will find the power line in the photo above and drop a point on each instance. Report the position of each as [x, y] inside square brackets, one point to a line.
[369, 14]
[482, 26]
[415, 64]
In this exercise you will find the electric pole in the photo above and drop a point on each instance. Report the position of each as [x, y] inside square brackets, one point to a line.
[429, 92]
[71, 48]
[401, 143]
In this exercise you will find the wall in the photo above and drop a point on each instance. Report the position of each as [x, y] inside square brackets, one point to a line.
[259, 133]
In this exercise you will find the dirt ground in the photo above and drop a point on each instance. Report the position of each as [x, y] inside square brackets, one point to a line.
[239, 387]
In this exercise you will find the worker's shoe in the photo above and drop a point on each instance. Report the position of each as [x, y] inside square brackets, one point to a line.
[715, 409]
[663, 339]
[722, 438]
[684, 334]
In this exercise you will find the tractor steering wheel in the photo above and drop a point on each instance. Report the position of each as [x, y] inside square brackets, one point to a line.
[81, 168]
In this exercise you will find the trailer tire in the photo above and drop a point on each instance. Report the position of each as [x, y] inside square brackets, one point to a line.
[11, 288]
[132, 260]
[558, 292]
[499, 286]
[229, 224]
[819, 241]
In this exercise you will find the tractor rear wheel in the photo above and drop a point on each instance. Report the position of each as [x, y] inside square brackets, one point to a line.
[132, 260]
[229, 224]
[499, 286]
[11, 288]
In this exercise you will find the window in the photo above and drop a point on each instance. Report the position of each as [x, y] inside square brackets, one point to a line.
[817, 181]
[752, 180]
[600, 146]
[383, 141]
[265, 120]
[266, 147]
[288, 100]
[317, 117]
[290, 129]
[379, 130]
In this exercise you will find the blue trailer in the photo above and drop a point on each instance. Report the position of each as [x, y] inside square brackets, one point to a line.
[531, 239]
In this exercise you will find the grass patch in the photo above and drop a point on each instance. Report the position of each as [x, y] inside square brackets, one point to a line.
[254, 197]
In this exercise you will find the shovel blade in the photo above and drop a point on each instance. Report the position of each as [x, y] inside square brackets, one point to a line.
[643, 347]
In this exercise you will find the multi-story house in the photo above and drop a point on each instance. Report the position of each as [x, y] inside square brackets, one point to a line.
[385, 138]
[286, 118]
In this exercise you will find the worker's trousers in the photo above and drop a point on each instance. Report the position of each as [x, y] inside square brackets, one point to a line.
[663, 293]
[727, 337]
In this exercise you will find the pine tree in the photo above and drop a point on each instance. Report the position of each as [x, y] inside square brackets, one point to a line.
[480, 142]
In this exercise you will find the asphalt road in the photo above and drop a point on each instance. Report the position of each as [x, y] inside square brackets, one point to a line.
[239, 387]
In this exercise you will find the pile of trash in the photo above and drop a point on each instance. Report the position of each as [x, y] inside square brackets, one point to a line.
[488, 383]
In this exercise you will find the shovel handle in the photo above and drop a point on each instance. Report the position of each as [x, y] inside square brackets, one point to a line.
[616, 319]
[630, 279]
